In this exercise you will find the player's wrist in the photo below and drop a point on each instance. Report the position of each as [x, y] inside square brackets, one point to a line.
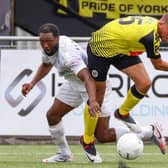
[91, 100]
[31, 84]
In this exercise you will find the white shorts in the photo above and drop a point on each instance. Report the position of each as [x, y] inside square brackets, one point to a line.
[72, 94]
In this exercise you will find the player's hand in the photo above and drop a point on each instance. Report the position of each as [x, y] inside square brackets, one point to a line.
[94, 108]
[26, 88]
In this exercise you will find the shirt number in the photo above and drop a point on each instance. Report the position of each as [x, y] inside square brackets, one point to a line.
[131, 20]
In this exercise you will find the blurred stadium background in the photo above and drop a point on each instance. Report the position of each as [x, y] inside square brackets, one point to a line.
[23, 119]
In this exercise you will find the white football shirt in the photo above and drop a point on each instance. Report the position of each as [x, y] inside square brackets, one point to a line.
[69, 59]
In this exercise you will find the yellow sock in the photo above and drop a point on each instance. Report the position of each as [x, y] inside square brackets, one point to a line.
[133, 98]
[89, 126]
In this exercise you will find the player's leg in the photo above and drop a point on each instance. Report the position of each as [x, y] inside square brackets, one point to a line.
[134, 69]
[87, 140]
[151, 133]
[56, 129]
[142, 82]
[103, 133]
[89, 126]
[66, 100]
[90, 122]
[98, 72]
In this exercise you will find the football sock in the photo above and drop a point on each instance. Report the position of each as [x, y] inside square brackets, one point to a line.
[89, 126]
[57, 133]
[119, 130]
[133, 97]
[147, 133]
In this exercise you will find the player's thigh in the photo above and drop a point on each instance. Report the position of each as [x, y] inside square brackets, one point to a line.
[69, 95]
[134, 68]
[59, 108]
[67, 99]
[138, 74]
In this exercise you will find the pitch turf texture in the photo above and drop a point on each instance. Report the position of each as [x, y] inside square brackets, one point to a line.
[30, 156]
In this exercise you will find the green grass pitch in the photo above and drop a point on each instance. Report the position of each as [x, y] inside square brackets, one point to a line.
[30, 156]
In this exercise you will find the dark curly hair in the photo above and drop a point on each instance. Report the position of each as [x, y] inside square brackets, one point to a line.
[49, 28]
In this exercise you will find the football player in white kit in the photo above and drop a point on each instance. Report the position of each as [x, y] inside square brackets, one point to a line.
[71, 62]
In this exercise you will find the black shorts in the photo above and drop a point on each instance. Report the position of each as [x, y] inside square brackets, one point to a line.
[99, 66]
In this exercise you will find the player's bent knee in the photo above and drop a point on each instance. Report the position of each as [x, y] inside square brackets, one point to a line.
[144, 86]
[53, 118]
[148, 84]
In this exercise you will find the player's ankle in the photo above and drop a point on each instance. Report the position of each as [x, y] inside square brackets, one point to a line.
[88, 139]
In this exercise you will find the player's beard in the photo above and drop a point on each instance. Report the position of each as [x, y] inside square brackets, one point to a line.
[53, 51]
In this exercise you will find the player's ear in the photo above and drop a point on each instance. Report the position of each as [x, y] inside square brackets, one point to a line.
[57, 39]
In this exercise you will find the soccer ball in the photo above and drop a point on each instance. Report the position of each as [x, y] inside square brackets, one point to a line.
[129, 146]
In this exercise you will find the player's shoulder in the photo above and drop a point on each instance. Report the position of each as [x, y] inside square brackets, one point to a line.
[64, 38]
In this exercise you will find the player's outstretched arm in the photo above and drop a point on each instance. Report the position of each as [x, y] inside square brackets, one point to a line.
[42, 71]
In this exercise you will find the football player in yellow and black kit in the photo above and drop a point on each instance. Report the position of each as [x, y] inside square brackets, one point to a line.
[119, 43]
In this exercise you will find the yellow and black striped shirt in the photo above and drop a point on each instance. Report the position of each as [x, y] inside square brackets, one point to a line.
[130, 36]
